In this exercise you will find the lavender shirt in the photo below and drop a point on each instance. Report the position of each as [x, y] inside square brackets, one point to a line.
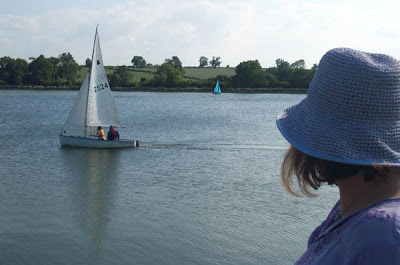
[369, 236]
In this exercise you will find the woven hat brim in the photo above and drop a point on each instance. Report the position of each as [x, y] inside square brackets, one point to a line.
[323, 137]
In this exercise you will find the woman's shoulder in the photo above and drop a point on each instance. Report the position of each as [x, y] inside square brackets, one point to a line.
[380, 222]
[373, 237]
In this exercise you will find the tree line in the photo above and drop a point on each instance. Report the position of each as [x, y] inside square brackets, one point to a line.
[53, 71]
[63, 71]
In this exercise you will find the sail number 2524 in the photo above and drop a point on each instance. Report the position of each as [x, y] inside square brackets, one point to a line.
[100, 87]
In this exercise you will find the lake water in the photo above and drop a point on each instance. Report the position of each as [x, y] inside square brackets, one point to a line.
[203, 188]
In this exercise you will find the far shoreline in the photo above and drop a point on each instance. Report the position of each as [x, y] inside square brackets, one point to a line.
[167, 89]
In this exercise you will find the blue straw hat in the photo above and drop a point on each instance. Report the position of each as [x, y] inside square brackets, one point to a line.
[352, 110]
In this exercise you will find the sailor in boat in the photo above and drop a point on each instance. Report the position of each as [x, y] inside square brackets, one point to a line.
[112, 134]
[100, 133]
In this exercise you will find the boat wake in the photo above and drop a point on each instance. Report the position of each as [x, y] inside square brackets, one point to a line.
[213, 147]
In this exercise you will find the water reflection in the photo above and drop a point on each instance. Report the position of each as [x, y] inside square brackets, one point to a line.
[94, 172]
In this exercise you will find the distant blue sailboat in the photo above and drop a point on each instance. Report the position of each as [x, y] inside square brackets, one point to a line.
[217, 89]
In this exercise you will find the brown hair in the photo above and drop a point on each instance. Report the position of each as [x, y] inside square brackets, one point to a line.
[311, 171]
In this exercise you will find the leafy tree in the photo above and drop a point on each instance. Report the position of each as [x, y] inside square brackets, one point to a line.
[271, 76]
[40, 71]
[215, 62]
[66, 58]
[126, 75]
[281, 63]
[161, 77]
[115, 79]
[20, 71]
[123, 76]
[272, 80]
[300, 64]
[168, 74]
[224, 80]
[68, 67]
[176, 62]
[284, 71]
[88, 62]
[55, 64]
[272, 70]
[138, 62]
[301, 78]
[290, 75]
[203, 61]
[6, 66]
[249, 74]
[12, 71]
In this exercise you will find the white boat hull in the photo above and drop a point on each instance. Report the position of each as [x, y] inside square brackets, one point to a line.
[95, 143]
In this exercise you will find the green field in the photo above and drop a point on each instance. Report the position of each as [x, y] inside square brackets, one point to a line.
[207, 72]
[83, 70]
[190, 72]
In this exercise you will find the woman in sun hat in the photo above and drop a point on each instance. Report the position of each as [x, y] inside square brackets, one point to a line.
[347, 132]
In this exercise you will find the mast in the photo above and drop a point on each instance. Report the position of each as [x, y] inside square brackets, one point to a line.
[90, 73]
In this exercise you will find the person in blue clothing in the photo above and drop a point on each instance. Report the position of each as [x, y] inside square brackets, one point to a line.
[346, 132]
[112, 134]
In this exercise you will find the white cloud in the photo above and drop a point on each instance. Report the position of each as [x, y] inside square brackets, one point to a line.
[234, 30]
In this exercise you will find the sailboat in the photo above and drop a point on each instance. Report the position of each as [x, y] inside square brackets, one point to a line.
[217, 89]
[94, 106]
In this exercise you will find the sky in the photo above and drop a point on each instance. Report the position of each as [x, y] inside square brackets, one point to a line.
[235, 31]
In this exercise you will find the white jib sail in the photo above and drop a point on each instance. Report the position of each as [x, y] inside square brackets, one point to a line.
[101, 109]
[75, 124]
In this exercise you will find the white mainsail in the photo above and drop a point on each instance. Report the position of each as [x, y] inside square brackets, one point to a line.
[94, 105]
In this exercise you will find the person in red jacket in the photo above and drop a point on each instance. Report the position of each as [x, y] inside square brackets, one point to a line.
[112, 134]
